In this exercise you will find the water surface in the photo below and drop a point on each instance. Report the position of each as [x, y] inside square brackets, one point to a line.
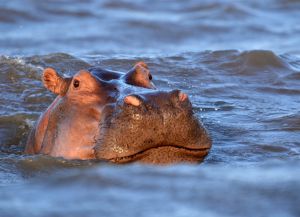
[238, 61]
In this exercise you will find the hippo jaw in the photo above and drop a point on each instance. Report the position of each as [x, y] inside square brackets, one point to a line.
[157, 128]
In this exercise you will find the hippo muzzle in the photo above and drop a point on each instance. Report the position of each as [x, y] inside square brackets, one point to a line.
[158, 127]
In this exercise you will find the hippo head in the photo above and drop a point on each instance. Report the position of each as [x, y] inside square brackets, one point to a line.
[120, 118]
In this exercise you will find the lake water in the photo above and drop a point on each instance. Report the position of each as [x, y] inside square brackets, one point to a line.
[239, 61]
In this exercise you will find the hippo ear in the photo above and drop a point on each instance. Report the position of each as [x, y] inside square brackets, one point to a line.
[140, 75]
[55, 82]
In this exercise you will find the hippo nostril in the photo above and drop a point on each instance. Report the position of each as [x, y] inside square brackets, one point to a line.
[132, 100]
[178, 95]
[182, 96]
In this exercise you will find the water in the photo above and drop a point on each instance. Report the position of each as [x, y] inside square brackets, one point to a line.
[238, 61]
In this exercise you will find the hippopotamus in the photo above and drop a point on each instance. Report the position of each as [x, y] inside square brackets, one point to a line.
[117, 117]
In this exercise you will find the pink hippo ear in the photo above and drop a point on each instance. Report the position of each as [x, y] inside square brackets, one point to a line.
[55, 82]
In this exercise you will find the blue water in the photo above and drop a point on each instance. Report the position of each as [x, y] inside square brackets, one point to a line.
[239, 62]
[30, 27]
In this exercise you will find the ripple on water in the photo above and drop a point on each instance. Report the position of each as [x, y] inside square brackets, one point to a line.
[9, 15]
[289, 122]
[180, 189]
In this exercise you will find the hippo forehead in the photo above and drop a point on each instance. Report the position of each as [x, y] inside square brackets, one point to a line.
[103, 74]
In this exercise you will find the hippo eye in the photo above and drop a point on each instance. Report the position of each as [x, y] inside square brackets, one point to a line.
[76, 83]
[150, 77]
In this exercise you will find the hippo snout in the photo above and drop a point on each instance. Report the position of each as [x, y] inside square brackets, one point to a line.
[152, 122]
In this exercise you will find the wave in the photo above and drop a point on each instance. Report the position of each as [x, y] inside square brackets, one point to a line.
[135, 27]
[9, 15]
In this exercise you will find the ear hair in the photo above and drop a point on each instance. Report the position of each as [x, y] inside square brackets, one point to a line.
[55, 82]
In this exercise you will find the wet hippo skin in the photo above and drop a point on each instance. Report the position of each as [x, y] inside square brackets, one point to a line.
[116, 117]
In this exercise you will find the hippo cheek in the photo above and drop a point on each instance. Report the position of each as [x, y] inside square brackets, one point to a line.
[158, 129]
